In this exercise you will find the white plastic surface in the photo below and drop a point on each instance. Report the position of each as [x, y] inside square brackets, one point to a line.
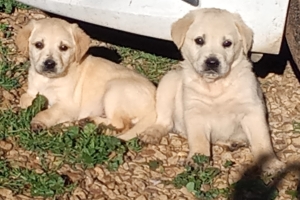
[154, 17]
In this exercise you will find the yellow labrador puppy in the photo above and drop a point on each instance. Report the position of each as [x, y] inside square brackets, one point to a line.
[78, 85]
[215, 97]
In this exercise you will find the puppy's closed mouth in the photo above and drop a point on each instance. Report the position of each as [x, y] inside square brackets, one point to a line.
[47, 72]
[209, 74]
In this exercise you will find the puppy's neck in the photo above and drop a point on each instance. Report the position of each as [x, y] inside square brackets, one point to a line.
[240, 59]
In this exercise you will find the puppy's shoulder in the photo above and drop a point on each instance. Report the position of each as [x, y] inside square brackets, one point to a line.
[97, 60]
[248, 80]
[244, 72]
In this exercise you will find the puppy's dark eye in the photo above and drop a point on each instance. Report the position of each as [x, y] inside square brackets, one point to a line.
[227, 43]
[199, 41]
[39, 45]
[63, 47]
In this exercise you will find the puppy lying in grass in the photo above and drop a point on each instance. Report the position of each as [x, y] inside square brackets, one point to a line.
[215, 97]
[77, 85]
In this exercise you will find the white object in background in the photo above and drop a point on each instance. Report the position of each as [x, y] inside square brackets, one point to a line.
[153, 18]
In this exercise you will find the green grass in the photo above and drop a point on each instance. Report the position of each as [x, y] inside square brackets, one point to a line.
[86, 145]
[8, 6]
[151, 66]
[202, 174]
[46, 184]
[6, 30]
[293, 193]
[10, 73]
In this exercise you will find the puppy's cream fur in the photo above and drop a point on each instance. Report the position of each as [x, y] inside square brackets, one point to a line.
[80, 85]
[220, 102]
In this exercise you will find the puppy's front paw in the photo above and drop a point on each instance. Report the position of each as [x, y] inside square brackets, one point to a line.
[153, 135]
[273, 166]
[25, 100]
[36, 126]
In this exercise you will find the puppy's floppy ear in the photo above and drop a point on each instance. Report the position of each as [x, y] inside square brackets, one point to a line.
[22, 38]
[82, 41]
[245, 32]
[180, 27]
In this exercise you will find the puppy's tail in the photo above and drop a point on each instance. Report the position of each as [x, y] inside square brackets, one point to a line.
[139, 127]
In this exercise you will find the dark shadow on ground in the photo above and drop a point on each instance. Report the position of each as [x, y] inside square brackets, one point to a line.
[295, 69]
[276, 63]
[252, 187]
[103, 52]
[273, 63]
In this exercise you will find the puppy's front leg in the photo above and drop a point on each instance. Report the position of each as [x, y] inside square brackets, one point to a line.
[26, 100]
[255, 126]
[54, 115]
[198, 134]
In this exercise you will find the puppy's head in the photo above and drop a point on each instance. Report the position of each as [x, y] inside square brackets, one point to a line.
[211, 40]
[52, 45]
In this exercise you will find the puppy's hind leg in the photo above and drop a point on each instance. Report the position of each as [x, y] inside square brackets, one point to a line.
[165, 108]
[116, 121]
[139, 127]
[121, 105]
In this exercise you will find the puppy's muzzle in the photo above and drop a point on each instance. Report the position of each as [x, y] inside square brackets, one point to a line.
[212, 65]
[49, 66]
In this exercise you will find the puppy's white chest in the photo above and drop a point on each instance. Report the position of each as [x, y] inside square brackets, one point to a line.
[223, 125]
[53, 89]
[222, 111]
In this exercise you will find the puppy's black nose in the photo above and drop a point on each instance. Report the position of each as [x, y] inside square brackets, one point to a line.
[49, 65]
[212, 63]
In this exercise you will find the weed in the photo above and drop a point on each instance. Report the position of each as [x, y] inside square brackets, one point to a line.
[6, 30]
[134, 145]
[84, 145]
[293, 193]
[19, 179]
[154, 164]
[199, 177]
[228, 163]
[9, 72]
[296, 127]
